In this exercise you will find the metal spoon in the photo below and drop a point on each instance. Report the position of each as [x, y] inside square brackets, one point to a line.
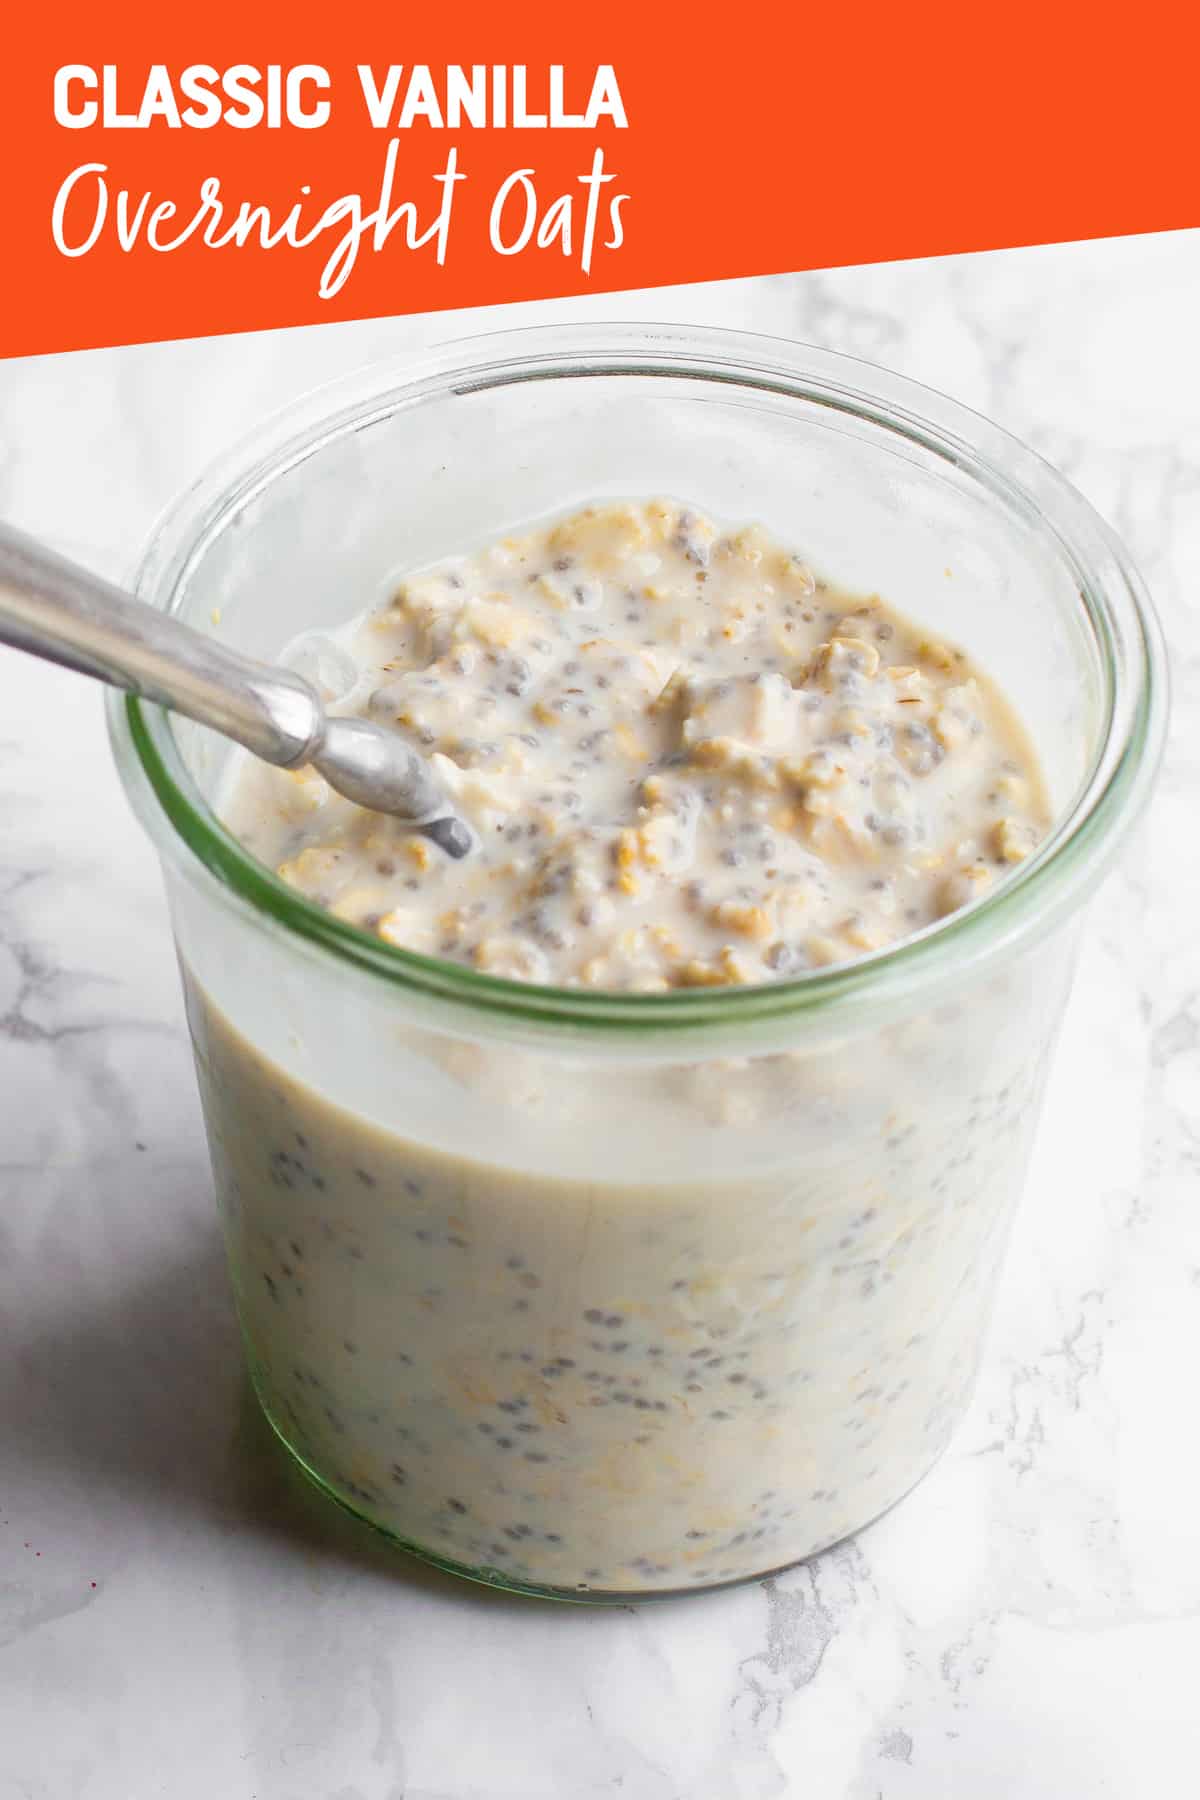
[52, 608]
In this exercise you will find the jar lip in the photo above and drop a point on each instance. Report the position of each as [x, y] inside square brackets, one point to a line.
[1043, 889]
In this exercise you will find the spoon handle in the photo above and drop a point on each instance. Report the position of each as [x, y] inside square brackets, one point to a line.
[57, 610]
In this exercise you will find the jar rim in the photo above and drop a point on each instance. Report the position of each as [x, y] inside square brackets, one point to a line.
[1048, 885]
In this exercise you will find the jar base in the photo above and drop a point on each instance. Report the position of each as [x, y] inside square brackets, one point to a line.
[580, 1595]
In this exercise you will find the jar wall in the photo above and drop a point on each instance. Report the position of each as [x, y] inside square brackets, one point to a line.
[588, 1324]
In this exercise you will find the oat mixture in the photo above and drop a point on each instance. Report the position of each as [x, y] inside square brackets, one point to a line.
[595, 1382]
[689, 762]
[724, 1341]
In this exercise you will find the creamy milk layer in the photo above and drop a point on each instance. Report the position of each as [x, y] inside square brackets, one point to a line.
[580, 1382]
[687, 760]
[621, 1328]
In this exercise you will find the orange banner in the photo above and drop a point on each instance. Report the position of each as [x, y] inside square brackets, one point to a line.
[175, 174]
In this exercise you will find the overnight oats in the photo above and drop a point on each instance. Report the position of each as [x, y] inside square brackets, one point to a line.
[617, 1210]
[687, 762]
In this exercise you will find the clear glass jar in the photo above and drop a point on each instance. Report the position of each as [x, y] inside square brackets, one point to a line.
[614, 1295]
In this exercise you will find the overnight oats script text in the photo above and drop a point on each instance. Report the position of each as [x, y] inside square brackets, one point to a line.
[524, 211]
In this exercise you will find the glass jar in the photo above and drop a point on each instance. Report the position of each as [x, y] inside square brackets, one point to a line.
[609, 1295]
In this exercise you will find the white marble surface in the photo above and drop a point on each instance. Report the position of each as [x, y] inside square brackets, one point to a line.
[180, 1616]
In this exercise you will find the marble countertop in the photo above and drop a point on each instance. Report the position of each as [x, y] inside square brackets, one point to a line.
[181, 1616]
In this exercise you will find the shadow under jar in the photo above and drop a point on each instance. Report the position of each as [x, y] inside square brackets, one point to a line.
[610, 1295]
